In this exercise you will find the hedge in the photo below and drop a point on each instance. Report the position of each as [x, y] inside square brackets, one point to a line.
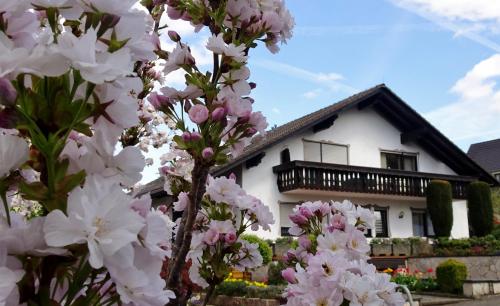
[439, 205]
[480, 208]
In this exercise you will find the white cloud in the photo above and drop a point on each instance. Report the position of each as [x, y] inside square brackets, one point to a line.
[476, 20]
[312, 94]
[332, 81]
[475, 116]
[276, 110]
[472, 10]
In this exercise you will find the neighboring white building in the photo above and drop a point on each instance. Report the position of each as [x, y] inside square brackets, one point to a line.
[371, 149]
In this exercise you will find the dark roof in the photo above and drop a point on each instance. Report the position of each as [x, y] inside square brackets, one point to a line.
[486, 154]
[390, 106]
[281, 132]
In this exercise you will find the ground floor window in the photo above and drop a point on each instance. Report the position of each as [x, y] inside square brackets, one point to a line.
[381, 224]
[381, 228]
[284, 231]
[422, 225]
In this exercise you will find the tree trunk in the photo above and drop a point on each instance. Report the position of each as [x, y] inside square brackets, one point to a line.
[184, 234]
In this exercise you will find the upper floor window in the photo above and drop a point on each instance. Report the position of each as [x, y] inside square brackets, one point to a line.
[325, 152]
[285, 156]
[399, 161]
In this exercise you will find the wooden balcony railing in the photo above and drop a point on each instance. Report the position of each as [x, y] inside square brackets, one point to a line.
[332, 177]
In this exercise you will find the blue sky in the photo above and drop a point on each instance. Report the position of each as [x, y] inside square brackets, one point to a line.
[441, 57]
[364, 43]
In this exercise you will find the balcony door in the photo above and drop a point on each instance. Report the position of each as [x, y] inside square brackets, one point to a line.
[324, 152]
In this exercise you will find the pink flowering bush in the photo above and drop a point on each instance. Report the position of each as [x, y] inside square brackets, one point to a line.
[329, 266]
[82, 98]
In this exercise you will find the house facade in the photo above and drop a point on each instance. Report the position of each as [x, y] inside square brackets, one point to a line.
[371, 149]
[487, 155]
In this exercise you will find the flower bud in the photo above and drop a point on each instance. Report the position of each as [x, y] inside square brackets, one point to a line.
[252, 85]
[163, 208]
[289, 275]
[174, 36]
[230, 238]
[186, 136]
[207, 153]
[8, 93]
[198, 113]
[195, 136]
[218, 113]
[158, 101]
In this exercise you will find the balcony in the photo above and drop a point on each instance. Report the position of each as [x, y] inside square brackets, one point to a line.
[297, 175]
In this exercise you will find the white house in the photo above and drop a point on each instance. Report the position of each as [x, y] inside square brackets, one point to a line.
[372, 149]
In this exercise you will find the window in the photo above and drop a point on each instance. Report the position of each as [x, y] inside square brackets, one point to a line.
[422, 225]
[381, 226]
[284, 231]
[325, 152]
[399, 161]
[285, 156]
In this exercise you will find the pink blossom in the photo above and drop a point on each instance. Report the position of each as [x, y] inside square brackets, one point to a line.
[211, 236]
[304, 242]
[298, 218]
[182, 202]
[306, 212]
[289, 275]
[198, 113]
[338, 222]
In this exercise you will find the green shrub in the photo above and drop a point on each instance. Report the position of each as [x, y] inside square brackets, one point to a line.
[439, 201]
[496, 232]
[480, 208]
[274, 273]
[450, 275]
[232, 288]
[265, 250]
[269, 292]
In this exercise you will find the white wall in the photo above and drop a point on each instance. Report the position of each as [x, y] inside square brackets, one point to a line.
[460, 227]
[366, 133]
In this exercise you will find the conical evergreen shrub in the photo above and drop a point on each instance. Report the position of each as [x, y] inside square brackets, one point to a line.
[439, 205]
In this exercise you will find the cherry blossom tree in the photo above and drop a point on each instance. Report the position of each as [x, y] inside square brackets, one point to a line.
[83, 99]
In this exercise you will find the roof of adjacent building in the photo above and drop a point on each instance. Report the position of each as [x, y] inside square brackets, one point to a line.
[486, 154]
[389, 105]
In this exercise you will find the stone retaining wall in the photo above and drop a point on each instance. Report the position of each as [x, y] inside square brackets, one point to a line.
[478, 267]
[240, 301]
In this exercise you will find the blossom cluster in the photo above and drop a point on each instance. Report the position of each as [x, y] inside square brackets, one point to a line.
[81, 97]
[227, 212]
[69, 88]
[329, 265]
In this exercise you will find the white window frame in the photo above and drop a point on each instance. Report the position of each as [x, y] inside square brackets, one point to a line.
[400, 152]
[328, 142]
